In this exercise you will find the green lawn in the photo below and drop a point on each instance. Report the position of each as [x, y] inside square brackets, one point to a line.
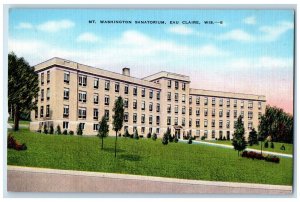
[22, 123]
[277, 145]
[146, 157]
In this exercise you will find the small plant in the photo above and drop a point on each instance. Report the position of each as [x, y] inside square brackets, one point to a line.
[39, 131]
[149, 135]
[51, 129]
[45, 129]
[126, 134]
[176, 140]
[58, 130]
[65, 132]
[79, 130]
[266, 144]
[71, 132]
[119, 135]
[154, 136]
[131, 136]
[141, 136]
[12, 143]
[282, 147]
[224, 138]
[190, 141]
[165, 140]
[272, 145]
[136, 135]
[203, 137]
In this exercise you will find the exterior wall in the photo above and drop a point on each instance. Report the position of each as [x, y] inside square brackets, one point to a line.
[156, 83]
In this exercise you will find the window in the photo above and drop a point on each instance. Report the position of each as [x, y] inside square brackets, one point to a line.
[206, 101]
[150, 130]
[250, 125]
[36, 113]
[190, 122]
[126, 102]
[82, 80]
[197, 122]
[250, 105]
[157, 130]
[126, 89]
[106, 114]
[95, 114]
[213, 101]
[143, 130]
[134, 104]
[183, 98]
[221, 102]
[42, 95]
[205, 133]
[107, 85]
[157, 107]
[143, 92]
[65, 125]
[95, 127]
[42, 78]
[168, 120]
[205, 123]
[176, 97]
[82, 112]
[134, 129]
[169, 96]
[150, 119]
[242, 104]
[220, 124]
[134, 118]
[221, 113]
[96, 83]
[169, 109]
[198, 100]
[227, 124]
[228, 102]
[143, 118]
[235, 103]
[183, 121]
[169, 83]
[176, 121]
[81, 126]
[235, 113]
[220, 135]
[96, 98]
[197, 133]
[82, 96]
[135, 91]
[250, 115]
[242, 114]
[158, 95]
[190, 111]
[213, 123]
[183, 86]
[47, 110]
[205, 112]
[190, 99]
[106, 100]
[150, 106]
[176, 109]
[259, 105]
[228, 113]
[66, 111]
[117, 87]
[176, 85]
[66, 93]
[143, 105]
[42, 111]
[183, 110]
[213, 112]
[198, 112]
[48, 93]
[48, 76]
[151, 94]
[213, 134]
[67, 77]
[126, 117]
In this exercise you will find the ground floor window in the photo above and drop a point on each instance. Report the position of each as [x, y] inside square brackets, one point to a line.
[81, 126]
[213, 134]
[96, 127]
[143, 130]
[65, 125]
[157, 130]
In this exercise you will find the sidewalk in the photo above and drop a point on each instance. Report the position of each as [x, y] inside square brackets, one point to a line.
[28, 179]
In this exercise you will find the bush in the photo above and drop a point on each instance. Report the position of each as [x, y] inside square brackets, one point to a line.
[149, 135]
[13, 144]
[58, 130]
[39, 131]
[51, 130]
[165, 140]
[190, 141]
[266, 144]
[273, 159]
[136, 135]
[126, 134]
[71, 132]
[282, 147]
[254, 155]
[79, 130]
[141, 136]
[154, 136]
[224, 138]
[176, 140]
[131, 136]
[119, 135]
[45, 129]
[203, 137]
[272, 145]
[65, 132]
[171, 138]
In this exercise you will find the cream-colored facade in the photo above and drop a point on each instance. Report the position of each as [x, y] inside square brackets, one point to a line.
[73, 94]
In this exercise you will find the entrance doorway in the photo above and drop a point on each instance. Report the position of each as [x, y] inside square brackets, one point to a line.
[177, 133]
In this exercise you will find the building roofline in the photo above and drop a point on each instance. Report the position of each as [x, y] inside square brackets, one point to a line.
[225, 92]
[164, 72]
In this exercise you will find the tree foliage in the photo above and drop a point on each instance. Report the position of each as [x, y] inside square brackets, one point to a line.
[277, 124]
[118, 118]
[23, 87]
[238, 141]
[103, 129]
[253, 139]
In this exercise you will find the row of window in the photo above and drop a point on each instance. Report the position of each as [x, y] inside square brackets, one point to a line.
[183, 85]
[42, 77]
[47, 115]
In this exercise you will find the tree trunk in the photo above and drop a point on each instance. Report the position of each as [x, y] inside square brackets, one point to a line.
[102, 143]
[238, 153]
[16, 118]
[116, 144]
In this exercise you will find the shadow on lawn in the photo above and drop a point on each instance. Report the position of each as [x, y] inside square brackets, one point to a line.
[131, 157]
[112, 150]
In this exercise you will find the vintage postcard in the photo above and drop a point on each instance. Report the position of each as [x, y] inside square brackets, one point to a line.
[150, 101]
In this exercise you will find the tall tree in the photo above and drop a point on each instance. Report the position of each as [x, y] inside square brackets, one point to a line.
[118, 118]
[103, 129]
[23, 87]
[238, 141]
[252, 139]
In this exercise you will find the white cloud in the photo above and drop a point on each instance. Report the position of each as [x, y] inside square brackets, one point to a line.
[250, 20]
[272, 33]
[24, 25]
[181, 29]
[55, 26]
[87, 37]
[237, 35]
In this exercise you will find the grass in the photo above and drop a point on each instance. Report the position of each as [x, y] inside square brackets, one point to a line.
[277, 145]
[23, 123]
[146, 157]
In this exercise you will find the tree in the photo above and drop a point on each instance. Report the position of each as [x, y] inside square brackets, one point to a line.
[238, 141]
[58, 130]
[51, 129]
[23, 87]
[154, 136]
[118, 118]
[126, 133]
[165, 138]
[45, 129]
[136, 135]
[103, 129]
[253, 139]
[148, 135]
[79, 130]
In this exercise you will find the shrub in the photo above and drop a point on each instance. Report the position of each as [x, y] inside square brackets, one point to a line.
[141, 136]
[273, 159]
[224, 138]
[65, 132]
[149, 135]
[254, 155]
[190, 141]
[282, 147]
[79, 130]
[203, 137]
[45, 129]
[13, 144]
[272, 145]
[58, 130]
[51, 129]
[126, 134]
[176, 140]
[266, 144]
[154, 136]
[165, 140]
[131, 136]
[39, 131]
[136, 135]
[171, 138]
[71, 132]
[119, 135]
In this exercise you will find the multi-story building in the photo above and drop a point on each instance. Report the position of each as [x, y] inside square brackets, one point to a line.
[73, 94]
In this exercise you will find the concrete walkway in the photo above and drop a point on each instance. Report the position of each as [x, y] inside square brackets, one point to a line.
[27, 179]
[231, 147]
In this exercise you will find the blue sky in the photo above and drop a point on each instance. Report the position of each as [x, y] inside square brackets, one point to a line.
[251, 52]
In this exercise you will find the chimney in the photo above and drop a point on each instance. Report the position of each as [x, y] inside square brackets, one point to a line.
[126, 71]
